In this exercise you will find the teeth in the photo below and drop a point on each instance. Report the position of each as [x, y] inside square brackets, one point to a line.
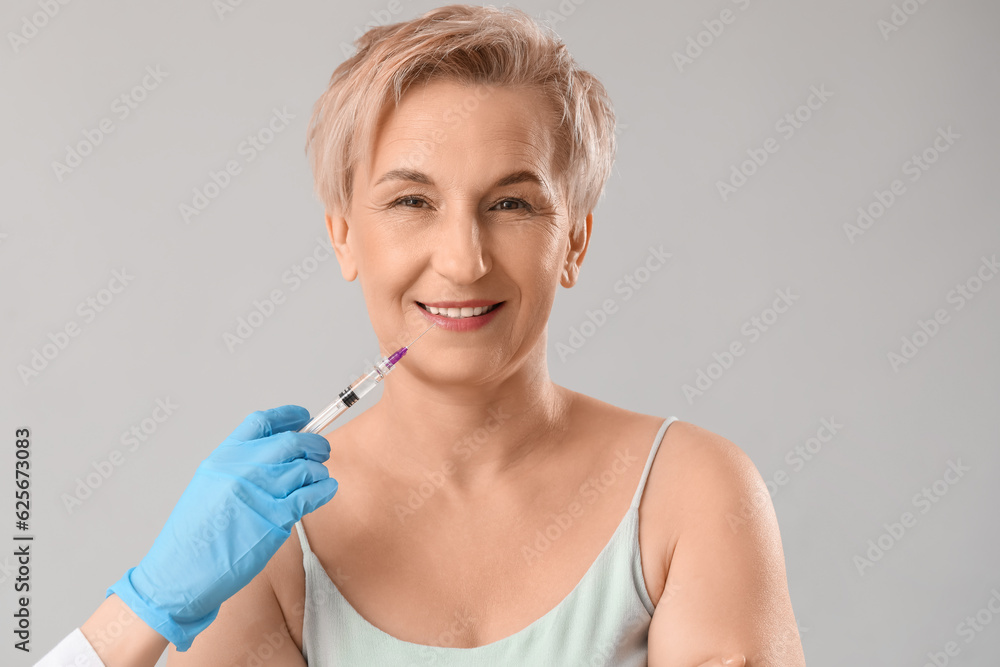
[460, 313]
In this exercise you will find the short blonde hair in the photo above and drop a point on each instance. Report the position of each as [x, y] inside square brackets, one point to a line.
[469, 45]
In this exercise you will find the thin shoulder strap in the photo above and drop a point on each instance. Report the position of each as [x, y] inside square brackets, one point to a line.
[649, 461]
[300, 529]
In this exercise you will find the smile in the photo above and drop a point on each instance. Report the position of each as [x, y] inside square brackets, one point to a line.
[460, 313]
[462, 316]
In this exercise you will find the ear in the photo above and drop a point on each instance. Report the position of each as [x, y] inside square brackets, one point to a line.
[337, 228]
[578, 243]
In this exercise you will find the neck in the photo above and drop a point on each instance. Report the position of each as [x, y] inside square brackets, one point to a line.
[472, 434]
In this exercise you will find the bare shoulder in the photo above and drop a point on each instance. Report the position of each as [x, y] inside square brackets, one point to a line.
[703, 488]
[707, 468]
[726, 588]
[594, 416]
[689, 457]
[694, 470]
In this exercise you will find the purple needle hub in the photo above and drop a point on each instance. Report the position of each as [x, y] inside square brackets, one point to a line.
[396, 356]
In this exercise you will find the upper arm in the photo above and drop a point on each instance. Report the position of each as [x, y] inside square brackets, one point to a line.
[726, 589]
[250, 623]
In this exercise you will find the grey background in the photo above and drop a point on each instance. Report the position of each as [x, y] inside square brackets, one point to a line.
[680, 132]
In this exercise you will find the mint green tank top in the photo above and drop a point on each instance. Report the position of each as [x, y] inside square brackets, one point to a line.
[604, 620]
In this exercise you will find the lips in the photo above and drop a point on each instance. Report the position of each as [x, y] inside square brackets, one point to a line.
[459, 309]
[460, 304]
[462, 315]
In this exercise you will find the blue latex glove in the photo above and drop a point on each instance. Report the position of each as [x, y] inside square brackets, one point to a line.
[233, 516]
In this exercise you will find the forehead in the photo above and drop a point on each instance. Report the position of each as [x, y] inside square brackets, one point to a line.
[453, 127]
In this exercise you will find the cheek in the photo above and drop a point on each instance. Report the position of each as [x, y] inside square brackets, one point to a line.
[378, 249]
[539, 246]
[391, 270]
[536, 276]
[542, 261]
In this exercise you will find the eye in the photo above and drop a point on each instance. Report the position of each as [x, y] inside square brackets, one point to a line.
[407, 199]
[526, 205]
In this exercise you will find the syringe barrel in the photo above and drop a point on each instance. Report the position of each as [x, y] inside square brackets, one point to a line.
[348, 397]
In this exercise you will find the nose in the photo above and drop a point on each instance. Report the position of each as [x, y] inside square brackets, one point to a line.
[460, 255]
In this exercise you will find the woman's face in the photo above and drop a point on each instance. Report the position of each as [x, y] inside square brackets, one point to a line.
[460, 203]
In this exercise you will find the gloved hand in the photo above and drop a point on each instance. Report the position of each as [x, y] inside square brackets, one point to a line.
[233, 516]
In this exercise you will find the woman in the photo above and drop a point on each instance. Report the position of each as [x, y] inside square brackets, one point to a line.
[486, 515]
[231, 519]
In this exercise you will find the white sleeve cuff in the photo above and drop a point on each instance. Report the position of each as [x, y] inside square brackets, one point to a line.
[73, 651]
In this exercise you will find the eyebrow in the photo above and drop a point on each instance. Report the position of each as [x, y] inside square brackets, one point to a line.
[522, 176]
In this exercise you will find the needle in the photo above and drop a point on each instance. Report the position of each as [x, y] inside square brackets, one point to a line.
[425, 331]
[398, 354]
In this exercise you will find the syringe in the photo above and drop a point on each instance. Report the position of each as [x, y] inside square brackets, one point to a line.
[357, 389]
